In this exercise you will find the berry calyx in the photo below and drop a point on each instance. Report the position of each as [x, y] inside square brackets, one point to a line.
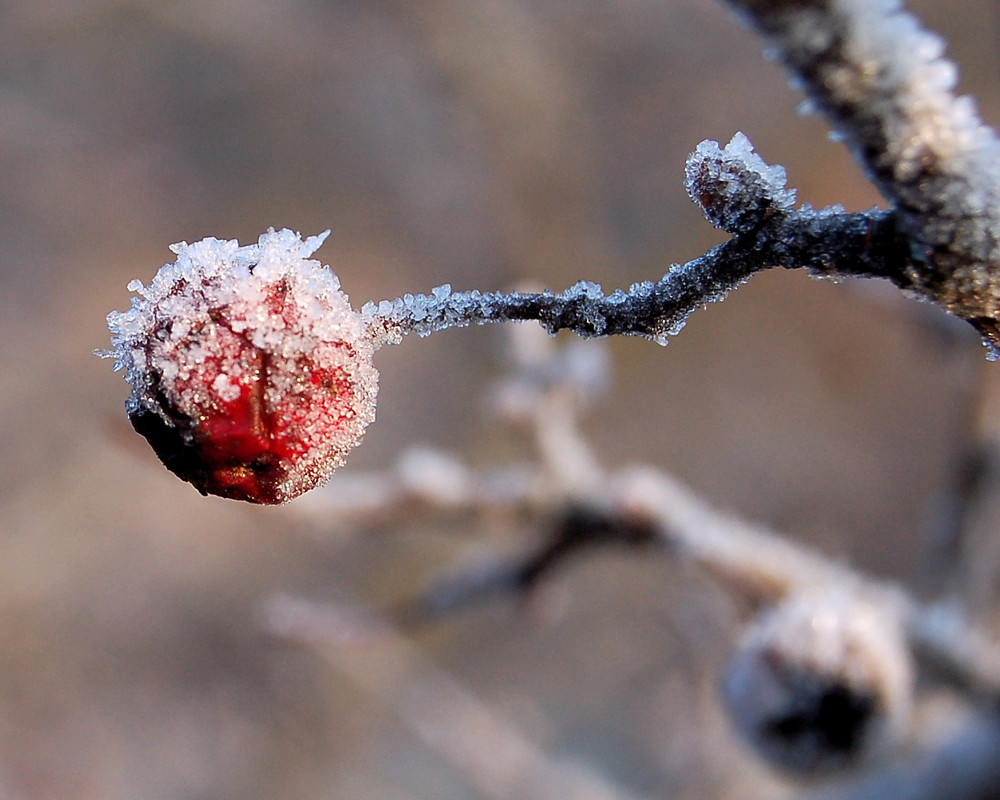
[251, 373]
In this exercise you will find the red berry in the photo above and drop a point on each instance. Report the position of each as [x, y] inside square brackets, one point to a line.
[251, 373]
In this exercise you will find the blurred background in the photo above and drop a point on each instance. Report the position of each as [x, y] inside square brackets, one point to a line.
[484, 143]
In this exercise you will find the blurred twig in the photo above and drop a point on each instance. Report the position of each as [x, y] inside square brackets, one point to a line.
[495, 758]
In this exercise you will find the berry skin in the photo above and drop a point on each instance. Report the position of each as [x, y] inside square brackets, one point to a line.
[822, 681]
[251, 373]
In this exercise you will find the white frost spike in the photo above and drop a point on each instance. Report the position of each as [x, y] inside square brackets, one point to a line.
[734, 186]
[251, 373]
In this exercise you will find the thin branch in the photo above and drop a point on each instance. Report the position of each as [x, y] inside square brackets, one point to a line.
[828, 242]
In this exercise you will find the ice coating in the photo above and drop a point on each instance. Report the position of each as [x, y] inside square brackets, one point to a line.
[941, 163]
[251, 373]
[655, 311]
[583, 307]
[734, 186]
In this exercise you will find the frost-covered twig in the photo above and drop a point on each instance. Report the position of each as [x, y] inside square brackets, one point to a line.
[830, 243]
[881, 80]
[739, 193]
[830, 630]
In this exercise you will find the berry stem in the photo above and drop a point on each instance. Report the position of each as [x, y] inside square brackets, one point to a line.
[827, 242]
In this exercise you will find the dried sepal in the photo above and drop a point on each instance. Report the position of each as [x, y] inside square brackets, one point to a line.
[251, 373]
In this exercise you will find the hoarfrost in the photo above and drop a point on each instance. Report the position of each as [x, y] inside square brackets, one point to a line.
[255, 342]
[734, 186]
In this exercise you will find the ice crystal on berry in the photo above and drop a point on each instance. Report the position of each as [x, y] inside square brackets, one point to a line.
[251, 373]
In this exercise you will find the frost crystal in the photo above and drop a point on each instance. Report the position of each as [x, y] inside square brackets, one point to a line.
[251, 373]
[734, 186]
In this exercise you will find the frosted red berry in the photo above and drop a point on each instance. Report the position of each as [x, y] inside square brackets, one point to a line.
[251, 373]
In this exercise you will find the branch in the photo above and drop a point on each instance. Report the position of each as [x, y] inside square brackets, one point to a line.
[828, 243]
[883, 84]
[824, 675]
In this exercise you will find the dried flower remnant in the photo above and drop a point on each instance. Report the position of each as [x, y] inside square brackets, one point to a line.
[734, 186]
[251, 373]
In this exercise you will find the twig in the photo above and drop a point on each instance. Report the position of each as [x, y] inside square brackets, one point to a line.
[829, 243]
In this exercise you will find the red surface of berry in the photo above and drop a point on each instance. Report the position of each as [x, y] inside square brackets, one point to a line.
[251, 373]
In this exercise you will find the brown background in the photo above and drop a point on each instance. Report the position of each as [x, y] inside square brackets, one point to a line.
[477, 142]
